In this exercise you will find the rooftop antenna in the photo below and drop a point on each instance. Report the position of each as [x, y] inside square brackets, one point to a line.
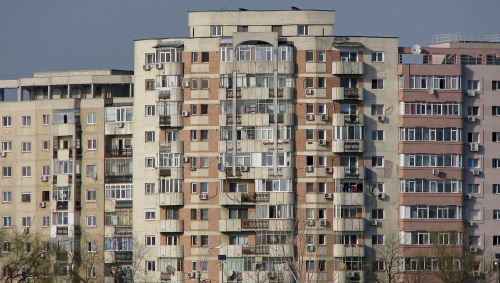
[416, 49]
[295, 8]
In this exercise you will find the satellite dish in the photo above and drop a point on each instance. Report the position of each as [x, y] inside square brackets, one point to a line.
[376, 191]
[416, 49]
[170, 269]
[229, 273]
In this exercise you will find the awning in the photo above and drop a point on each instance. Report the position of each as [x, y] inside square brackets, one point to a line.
[174, 44]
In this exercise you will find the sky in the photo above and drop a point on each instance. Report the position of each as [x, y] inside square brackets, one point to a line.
[55, 35]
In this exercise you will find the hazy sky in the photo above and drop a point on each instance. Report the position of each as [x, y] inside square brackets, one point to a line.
[39, 35]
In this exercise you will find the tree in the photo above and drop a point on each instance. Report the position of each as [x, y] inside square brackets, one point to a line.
[390, 254]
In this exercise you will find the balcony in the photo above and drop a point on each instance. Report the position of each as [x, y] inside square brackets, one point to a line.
[123, 230]
[348, 224]
[347, 68]
[171, 226]
[111, 179]
[172, 172]
[282, 93]
[341, 250]
[172, 147]
[255, 250]
[348, 198]
[123, 204]
[172, 94]
[341, 146]
[171, 251]
[174, 199]
[341, 93]
[118, 128]
[62, 205]
[242, 198]
[118, 151]
[354, 172]
[123, 256]
[172, 121]
[340, 119]
[63, 129]
[349, 276]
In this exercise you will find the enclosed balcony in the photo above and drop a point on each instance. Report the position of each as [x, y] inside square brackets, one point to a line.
[171, 226]
[171, 251]
[172, 94]
[352, 198]
[349, 172]
[231, 199]
[348, 224]
[347, 68]
[118, 151]
[173, 121]
[341, 250]
[341, 146]
[342, 93]
[172, 147]
[340, 119]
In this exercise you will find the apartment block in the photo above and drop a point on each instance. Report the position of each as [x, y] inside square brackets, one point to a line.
[263, 147]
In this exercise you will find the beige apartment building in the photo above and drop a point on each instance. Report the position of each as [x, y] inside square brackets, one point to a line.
[261, 148]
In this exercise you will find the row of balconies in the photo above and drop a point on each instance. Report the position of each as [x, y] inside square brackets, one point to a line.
[247, 172]
[256, 93]
[255, 145]
[242, 225]
[252, 119]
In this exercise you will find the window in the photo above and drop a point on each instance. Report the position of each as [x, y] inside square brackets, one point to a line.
[149, 84]
[309, 134]
[263, 53]
[377, 56]
[91, 272]
[472, 85]
[203, 188]
[204, 135]
[204, 83]
[91, 195]
[309, 55]
[378, 135]
[91, 171]
[150, 240]
[310, 265]
[150, 265]
[6, 196]
[149, 136]
[150, 110]
[377, 109]
[472, 110]
[204, 240]
[26, 221]
[321, 82]
[473, 188]
[26, 171]
[496, 188]
[91, 118]
[149, 188]
[6, 146]
[321, 56]
[7, 121]
[377, 84]
[46, 119]
[473, 137]
[167, 55]
[378, 239]
[204, 109]
[495, 110]
[495, 163]
[26, 197]
[46, 221]
[216, 30]
[91, 246]
[496, 214]
[377, 161]
[26, 121]
[150, 214]
[46, 170]
[46, 145]
[204, 214]
[495, 85]
[204, 161]
[277, 29]
[302, 30]
[91, 221]
[242, 29]
[194, 57]
[91, 144]
[7, 171]
[205, 57]
[149, 162]
[309, 82]
[379, 265]
[226, 54]
[26, 146]
[321, 188]
[7, 221]
[150, 58]
[378, 213]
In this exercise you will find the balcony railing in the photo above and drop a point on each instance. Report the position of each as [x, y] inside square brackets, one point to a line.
[123, 204]
[255, 250]
[116, 151]
[351, 93]
[255, 224]
[120, 230]
[351, 171]
[118, 178]
[352, 146]
[351, 118]
[255, 197]
[123, 256]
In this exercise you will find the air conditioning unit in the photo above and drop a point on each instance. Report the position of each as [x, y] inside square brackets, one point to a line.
[430, 91]
[476, 172]
[310, 117]
[468, 196]
[324, 117]
[322, 142]
[328, 195]
[159, 66]
[381, 118]
[185, 114]
[266, 142]
[374, 222]
[310, 248]
[323, 222]
[473, 249]
[245, 168]
[470, 223]
[4, 154]
[474, 146]
[203, 196]
[381, 196]
[310, 222]
[309, 91]
[186, 84]
[26, 230]
[146, 67]
[309, 169]
[351, 274]
[192, 169]
[328, 169]
[119, 124]
[186, 159]
[436, 172]
[42, 204]
[192, 274]
[471, 92]
[271, 274]
[471, 119]
[44, 178]
[476, 273]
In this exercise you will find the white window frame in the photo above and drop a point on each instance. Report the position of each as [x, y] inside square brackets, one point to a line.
[216, 30]
[91, 144]
[378, 56]
[91, 221]
[26, 171]
[91, 118]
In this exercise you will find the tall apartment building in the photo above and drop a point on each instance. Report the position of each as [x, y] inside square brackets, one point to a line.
[265, 149]
[65, 155]
[262, 134]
